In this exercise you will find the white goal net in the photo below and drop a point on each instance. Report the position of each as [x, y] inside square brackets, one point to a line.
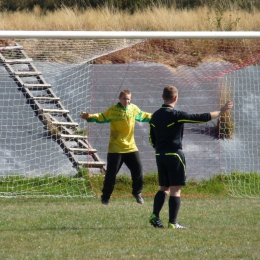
[47, 150]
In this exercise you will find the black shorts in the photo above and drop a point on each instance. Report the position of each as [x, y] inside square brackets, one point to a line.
[171, 168]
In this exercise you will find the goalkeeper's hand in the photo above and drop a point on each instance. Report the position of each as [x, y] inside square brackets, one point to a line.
[85, 115]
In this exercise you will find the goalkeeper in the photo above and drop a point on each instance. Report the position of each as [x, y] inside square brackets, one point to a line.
[166, 133]
[122, 147]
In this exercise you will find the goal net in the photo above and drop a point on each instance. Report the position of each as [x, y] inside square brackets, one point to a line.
[47, 150]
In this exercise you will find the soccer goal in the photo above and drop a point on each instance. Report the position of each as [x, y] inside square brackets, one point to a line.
[49, 78]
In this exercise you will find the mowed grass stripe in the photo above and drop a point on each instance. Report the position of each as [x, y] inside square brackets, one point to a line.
[83, 228]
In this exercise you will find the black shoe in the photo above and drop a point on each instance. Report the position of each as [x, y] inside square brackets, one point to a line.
[105, 201]
[156, 222]
[139, 198]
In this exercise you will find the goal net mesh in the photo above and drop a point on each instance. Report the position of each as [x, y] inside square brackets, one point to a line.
[47, 84]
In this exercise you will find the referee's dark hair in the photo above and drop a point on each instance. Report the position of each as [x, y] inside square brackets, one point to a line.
[169, 92]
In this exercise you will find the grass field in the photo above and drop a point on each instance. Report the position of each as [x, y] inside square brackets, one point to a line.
[217, 228]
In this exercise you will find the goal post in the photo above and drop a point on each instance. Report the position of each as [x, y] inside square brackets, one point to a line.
[49, 77]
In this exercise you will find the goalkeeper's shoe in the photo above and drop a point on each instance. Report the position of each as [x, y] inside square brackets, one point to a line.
[105, 201]
[139, 198]
[175, 226]
[156, 222]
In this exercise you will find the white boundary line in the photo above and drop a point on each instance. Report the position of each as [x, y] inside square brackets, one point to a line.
[132, 34]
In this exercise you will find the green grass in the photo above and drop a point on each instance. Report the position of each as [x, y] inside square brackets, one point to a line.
[82, 185]
[194, 188]
[218, 226]
[83, 228]
[242, 184]
[45, 186]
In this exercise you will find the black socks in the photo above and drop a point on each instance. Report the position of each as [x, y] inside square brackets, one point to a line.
[174, 206]
[159, 200]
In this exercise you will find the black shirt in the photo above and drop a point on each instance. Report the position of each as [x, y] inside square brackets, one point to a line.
[167, 124]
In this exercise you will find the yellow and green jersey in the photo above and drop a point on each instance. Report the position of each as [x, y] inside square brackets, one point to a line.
[122, 123]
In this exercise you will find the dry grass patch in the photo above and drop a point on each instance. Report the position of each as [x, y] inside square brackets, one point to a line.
[149, 19]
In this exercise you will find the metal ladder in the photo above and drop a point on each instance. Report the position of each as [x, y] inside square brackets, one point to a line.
[63, 131]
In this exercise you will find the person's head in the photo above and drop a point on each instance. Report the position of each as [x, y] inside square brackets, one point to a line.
[125, 97]
[170, 94]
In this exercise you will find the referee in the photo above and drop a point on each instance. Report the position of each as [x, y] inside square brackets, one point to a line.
[166, 134]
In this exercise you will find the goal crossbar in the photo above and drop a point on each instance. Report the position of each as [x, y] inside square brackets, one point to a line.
[132, 34]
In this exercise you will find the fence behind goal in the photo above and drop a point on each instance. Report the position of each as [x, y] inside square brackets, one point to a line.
[47, 83]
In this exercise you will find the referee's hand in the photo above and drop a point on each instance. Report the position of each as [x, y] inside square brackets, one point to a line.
[227, 106]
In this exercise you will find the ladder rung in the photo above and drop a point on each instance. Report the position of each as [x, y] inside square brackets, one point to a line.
[82, 150]
[37, 85]
[46, 110]
[46, 98]
[73, 136]
[64, 123]
[97, 164]
[27, 73]
[12, 61]
[12, 48]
